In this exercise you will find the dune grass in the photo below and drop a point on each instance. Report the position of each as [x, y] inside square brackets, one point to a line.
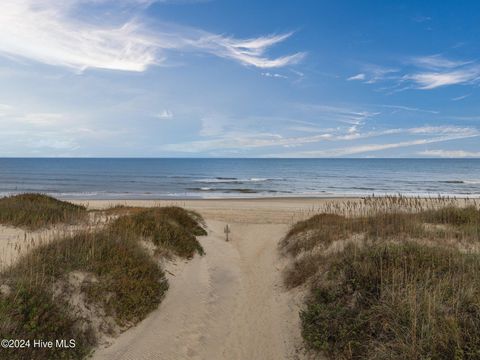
[390, 285]
[406, 301]
[123, 281]
[128, 285]
[30, 312]
[171, 229]
[34, 211]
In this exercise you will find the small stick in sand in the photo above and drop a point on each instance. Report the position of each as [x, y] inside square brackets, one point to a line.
[226, 231]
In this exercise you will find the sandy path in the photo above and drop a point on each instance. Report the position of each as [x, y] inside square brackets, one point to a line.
[228, 304]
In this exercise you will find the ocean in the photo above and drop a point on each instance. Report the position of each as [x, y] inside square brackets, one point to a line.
[73, 178]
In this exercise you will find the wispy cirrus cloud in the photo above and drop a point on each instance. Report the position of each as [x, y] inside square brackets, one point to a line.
[274, 75]
[409, 108]
[352, 117]
[362, 149]
[360, 77]
[248, 51]
[461, 97]
[34, 131]
[449, 153]
[433, 80]
[372, 74]
[50, 32]
[9, 115]
[421, 18]
[219, 135]
[437, 62]
[423, 73]
[164, 115]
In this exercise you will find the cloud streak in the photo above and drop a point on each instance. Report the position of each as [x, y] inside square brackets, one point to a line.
[423, 73]
[449, 153]
[433, 80]
[361, 149]
[49, 32]
[243, 140]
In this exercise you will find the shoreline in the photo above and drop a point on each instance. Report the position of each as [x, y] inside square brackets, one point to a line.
[255, 197]
[258, 210]
[273, 198]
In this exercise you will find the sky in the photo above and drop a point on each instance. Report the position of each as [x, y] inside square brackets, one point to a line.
[225, 78]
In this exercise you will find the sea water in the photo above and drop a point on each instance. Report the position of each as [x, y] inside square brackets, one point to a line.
[71, 178]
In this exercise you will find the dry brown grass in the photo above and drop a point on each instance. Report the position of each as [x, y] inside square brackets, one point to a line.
[172, 229]
[34, 211]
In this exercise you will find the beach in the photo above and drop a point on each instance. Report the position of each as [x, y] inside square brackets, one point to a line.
[229, 303]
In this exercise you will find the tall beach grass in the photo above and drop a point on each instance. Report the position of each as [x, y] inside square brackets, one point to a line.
[35, 211]
[390, 282]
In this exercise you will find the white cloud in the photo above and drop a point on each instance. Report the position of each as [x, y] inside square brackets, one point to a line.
[55, 144]
[341, 114]
[353, 150]
[48, 31]
[44, 32]
[449, 153]
[437, 62]
[461, 97]
[248, 52]
[421, 18]
[10, 115]
[43, 119]
[409, 108]
[274, 75]
[445, 130]
[432, 80]
[220, 135]
[165, 115]
[360, 76]
[34, 131]
[213, 125]
[374, 73]
[4, 109]
[424, 73]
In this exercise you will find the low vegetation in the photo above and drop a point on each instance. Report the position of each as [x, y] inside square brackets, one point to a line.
[93, 283]
[34, 211]
[390, 284]
[171, 229]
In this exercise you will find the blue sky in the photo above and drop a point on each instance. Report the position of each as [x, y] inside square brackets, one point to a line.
[239, 78]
